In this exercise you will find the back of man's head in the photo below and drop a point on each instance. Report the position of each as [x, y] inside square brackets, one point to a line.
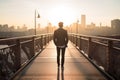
[60, 24]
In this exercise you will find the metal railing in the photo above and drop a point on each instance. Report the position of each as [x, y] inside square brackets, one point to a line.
[105, 52]
[17, 52]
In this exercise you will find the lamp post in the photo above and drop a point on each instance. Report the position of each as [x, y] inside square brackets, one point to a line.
[38, 16]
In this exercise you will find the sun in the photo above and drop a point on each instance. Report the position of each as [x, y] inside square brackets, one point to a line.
[61, 13]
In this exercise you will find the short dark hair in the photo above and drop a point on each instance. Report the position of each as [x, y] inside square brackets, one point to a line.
[60, 24]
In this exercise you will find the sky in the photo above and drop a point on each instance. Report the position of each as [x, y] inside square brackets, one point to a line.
[20, 12]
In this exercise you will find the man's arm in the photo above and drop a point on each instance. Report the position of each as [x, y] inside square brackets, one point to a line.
[66, 38]
[54, 38]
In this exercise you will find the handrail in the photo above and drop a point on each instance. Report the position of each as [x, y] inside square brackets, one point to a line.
[11, 56]
[98, 37]
[24, 37]
[104, 51]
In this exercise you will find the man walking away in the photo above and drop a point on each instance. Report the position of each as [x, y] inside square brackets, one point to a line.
[60, 39]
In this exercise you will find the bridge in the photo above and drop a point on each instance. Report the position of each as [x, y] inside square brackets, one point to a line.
[34, 58]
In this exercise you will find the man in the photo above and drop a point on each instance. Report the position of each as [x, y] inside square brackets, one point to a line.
[60, 39]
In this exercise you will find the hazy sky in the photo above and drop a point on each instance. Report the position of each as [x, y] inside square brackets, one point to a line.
[20, 12]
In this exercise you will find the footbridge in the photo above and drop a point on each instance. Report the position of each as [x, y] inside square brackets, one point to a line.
[34, 58]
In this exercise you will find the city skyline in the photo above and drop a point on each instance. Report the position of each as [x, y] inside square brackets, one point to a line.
[15, 12]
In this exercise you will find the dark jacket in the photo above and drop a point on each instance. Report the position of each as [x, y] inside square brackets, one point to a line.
[60, 37]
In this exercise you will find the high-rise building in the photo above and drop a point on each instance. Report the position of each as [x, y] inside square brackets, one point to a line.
[115, 23]
[83, 20]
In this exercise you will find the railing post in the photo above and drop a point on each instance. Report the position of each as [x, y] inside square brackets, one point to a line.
[45, 40]
[41, 42]
[72, 38]
[80, 43]
[89, 48]
[18, 55]
[76, 41]
[33, 47]
[109, 57]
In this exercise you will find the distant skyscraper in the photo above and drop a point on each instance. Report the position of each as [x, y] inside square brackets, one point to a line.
[115, 24]
[83, 20]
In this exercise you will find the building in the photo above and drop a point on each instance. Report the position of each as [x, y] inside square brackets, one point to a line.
[115, 24]
[83, 21]
[5, 28]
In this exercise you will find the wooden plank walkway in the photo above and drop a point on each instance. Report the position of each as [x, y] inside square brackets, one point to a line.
[44, 67]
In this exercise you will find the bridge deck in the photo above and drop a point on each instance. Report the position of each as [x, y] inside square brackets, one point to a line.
[44, 67]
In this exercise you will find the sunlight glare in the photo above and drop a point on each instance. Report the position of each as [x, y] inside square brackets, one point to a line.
[61, 13]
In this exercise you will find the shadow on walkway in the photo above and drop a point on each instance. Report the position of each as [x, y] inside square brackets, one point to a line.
[58, 74]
